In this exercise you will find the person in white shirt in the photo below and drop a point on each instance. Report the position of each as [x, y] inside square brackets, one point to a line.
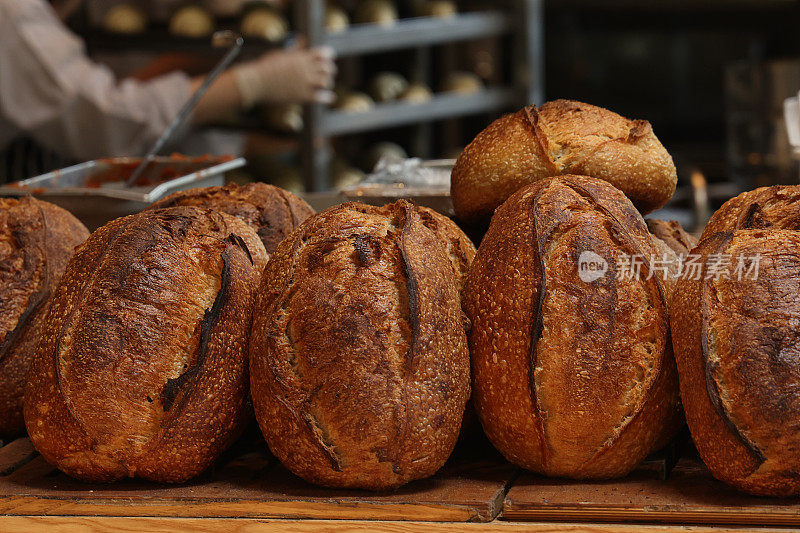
[53, 93]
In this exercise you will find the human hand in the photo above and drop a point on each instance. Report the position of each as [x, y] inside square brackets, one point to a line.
[299, 75]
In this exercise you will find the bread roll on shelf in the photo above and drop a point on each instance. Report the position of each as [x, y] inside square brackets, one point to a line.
[417, 93]
[380, 12]
[354, 102]
[286, 118]
[387, 86]
[263, 22]
[192, 21]
[336, 19]
[462, 82]
[344, 175]
[437, 8]
[125, 19]
[381, 151]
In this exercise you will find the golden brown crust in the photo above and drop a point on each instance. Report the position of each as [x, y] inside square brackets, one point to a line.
[458, 247]
[36, 241]
[359, 361]
[736, 343]
[776, 207]
[271, 211]
[561, 137]
[142, 365]
[673, 235]
[571, 378]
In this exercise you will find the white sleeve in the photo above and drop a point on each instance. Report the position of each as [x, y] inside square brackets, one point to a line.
[51, 90]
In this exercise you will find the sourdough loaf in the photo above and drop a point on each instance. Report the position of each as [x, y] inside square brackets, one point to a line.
[736, 339]
[271, 211]
[573, 374]
[776, 207]
[142, 365]
[359, 361]
[36, 241]
[561, 137]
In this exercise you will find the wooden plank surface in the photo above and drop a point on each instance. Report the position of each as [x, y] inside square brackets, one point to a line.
[15, 454]
[75, 524]
[689, 495]
[253, 484]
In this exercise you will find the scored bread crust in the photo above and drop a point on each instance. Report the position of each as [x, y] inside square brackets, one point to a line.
[776, 207]
[562, 137]
[359, 360]
[271, 211]
[142, 366]
[736, 347]
[458, 247]
[36, 241]
[570, 379]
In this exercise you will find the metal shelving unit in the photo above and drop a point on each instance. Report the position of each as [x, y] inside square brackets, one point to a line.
[395, 114]
[523, 19]
[414, 32]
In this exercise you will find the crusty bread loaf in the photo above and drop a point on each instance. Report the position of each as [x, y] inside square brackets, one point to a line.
[36, 241]
[561, 137]
[271, 211]
[776, 207]
[673, 235]
[142, 365]
[736, 344]
[359, 361]
[572, 376]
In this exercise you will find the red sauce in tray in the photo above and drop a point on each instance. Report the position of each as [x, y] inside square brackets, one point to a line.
[123, 171]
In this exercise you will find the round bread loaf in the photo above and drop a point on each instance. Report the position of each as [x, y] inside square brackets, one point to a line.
[271, 211]
[573, 374]
[776, 207]
[561, 137]
[736, 341]
[358, 358]
[36, 241]
[142, 366]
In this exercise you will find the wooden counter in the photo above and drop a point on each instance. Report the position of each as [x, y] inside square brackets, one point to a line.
[248, 490]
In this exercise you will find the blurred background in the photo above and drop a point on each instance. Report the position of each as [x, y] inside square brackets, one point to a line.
[420, 78]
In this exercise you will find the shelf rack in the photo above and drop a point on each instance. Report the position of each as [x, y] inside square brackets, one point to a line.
[523, 19]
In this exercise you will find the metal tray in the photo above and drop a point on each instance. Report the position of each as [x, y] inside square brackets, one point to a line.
[95, 206]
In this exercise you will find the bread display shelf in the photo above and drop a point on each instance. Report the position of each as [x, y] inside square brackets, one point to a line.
[395, 114]
[421, 31]
[688, 496]
[248, 483]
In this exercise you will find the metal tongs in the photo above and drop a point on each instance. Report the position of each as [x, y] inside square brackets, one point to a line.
[220, 39]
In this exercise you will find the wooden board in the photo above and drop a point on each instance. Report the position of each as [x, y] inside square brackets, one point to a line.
[250, 483]
[689, 496]
[253, 490]
[75, 524]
